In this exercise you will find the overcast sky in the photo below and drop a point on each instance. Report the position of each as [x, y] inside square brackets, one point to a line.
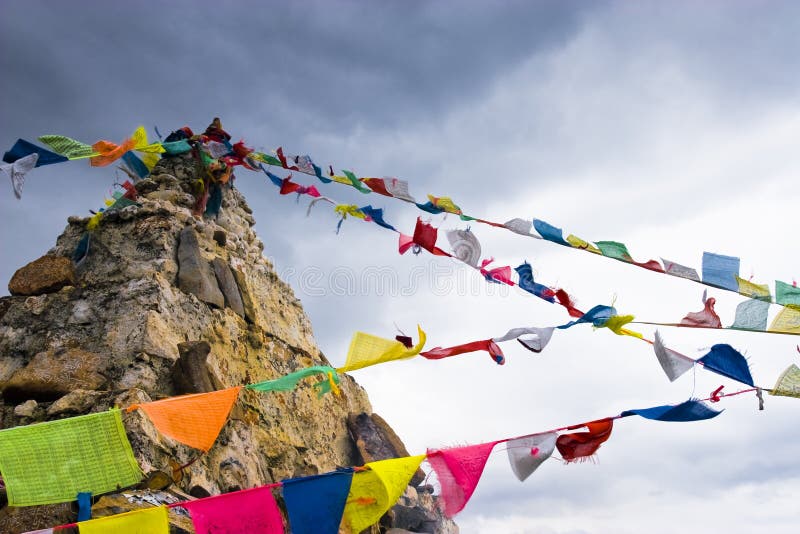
[670, 126]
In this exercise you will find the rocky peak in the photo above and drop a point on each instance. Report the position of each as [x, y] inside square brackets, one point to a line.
[163, 302]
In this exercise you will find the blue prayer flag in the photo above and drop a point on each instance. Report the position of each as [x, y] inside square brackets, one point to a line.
[721, 271]
[315, 504]
[727, 361]
[24, 148]
[691, 410]
[550, 232]
[526, 282]
[376, 214]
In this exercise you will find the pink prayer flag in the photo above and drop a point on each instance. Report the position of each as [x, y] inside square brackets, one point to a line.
[459, 469]
[253, 511]
[707, 317]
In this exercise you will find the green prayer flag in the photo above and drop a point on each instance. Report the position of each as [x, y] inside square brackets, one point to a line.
[290, 381]
[67, 147]
[614, 249]
[49, 463]
[358, 184]
[786, 294]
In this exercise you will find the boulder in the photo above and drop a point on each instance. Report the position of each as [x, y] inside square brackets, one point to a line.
[190, 374]
[195, 275]
[75, 402]
[45, 275]
[376, 440]
[227, 284]
[53, 374]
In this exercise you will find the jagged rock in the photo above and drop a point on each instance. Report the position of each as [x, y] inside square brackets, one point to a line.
[26, 409]
[52, 374]
[45, 275]
[75, 402]
[227, 285]
[376, 440]
[194, 272]
[132, 308]
[190, 373]
[16, 520]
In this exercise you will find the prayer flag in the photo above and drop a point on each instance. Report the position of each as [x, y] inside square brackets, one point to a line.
[376, 215]
[465, 245]
[673, 363]
[751, 315]
[66, 146]
[619, 251]
[519, 226]
[153, 520]
[786, 294]
[366, 350]
[290, 381]
[707, 317]
[690, 410]
[550, 232]
[459, 469]
[17, 171]
[681, 271]
[726, 361]
[788, 384]
[253, 511]
[376, 489]
[526, 282]
[488, 345]
[526, 454]
[787, 320]
[51, 462]
[24, 148]
[720, 271]
[580, 445]
[445, 204]
[577, 242]
[315, 504]
[194, 420]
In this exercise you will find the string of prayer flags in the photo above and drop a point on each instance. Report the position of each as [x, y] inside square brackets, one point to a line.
[153, 520]
[315, 504]
[459, 469]
[51, 462]
[194, 420]
[579, 446]
[487, 345]
[526, 454]
[721, 271]
[24, 148]
[290, 381]
[788, 384]
[375, 489]
[725, 360]
[253, 511]
[366, 350]
[17, 171]
[673, 363]
[706, 318]
[690, 410]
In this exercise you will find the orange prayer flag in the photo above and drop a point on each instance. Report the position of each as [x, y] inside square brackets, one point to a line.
[194, 420]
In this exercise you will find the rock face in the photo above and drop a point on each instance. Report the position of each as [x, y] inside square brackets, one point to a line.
[45, 275]
[167, 303]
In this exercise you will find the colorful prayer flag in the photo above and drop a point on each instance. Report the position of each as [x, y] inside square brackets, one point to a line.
[145, 521]
[253, 511]
[366, 350]
[315, 504]
[720, 271]
[526, 454]
[690, 410]
[459, 469]
[788, 384]
[673, 363]
[194, 420]
[51, 462]
[17, 171]
[787, 294]
[376, 489]
[727, 361]
[550, 232]
[290, 381]
[787, 320]
[580, 445]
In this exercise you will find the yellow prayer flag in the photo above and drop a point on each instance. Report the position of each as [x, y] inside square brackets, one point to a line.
[445, 203]
[788, 320]
[366, 349]
[616, 323]
[375, 490]
[754, 291]
[145, 521]
[577, 242]
[788, 384]
[141, 144]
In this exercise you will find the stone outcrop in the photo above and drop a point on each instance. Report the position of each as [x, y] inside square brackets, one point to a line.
[45, 275]
[166, 303]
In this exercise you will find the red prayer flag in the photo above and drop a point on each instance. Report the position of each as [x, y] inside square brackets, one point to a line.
[584, 444]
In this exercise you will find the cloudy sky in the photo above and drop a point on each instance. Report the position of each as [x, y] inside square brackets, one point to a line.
[672, 127]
